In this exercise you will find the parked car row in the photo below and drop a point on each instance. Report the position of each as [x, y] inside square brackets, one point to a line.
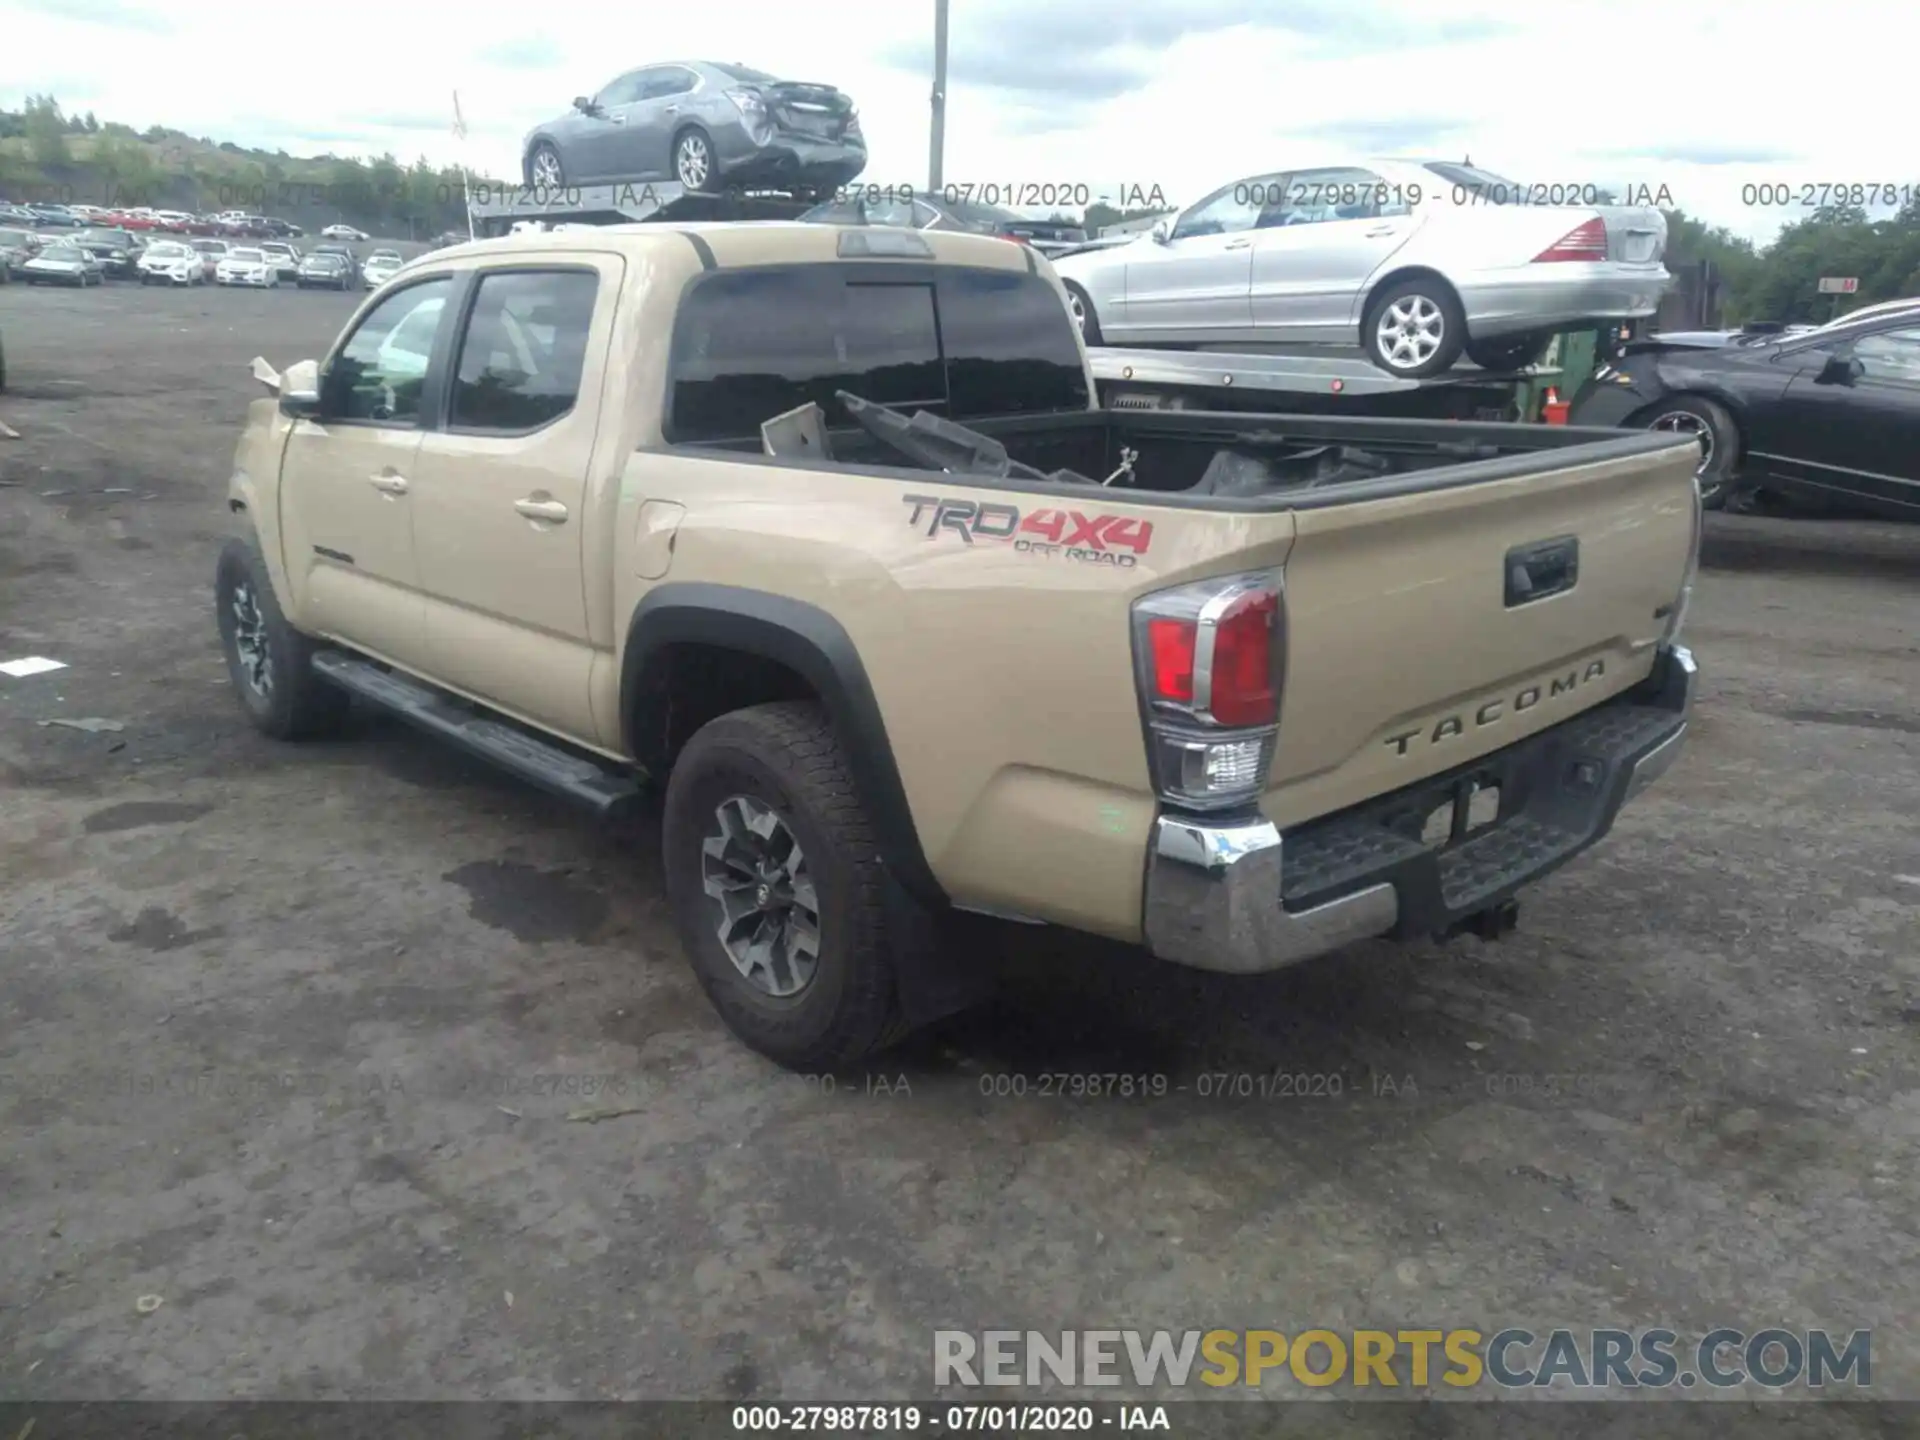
[232, 223]
[93, 255]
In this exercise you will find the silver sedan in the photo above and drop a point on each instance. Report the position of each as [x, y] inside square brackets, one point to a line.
[1414, 261]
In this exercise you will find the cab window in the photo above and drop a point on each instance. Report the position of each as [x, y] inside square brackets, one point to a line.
[523, 349]
[378, 376]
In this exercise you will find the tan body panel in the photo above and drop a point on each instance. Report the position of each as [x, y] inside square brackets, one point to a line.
[1004, 677]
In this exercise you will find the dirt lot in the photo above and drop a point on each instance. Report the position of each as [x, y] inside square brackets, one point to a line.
[290, 1037]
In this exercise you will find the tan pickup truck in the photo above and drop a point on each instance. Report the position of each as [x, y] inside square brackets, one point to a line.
[823, 529]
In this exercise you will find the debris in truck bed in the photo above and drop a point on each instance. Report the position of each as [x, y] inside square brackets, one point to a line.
[1242, 472]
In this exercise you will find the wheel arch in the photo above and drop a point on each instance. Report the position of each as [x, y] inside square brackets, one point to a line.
[1393, 277]
[802, 644]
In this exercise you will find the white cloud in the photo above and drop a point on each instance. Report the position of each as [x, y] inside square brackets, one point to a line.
[1702, 98]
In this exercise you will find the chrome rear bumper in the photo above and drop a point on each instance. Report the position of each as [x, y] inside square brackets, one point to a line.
[1216, 888]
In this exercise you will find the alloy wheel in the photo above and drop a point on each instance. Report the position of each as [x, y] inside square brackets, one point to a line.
[546, 169]
[250, 640]
[1410, 331]
[1077, 308]
[767, 910]
[691, 162]
[1685, 422]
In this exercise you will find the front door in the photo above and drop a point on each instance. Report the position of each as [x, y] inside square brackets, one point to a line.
[500, 493]
[1850, 431]
[1317, 244]
[1195, 284]
[346, 478]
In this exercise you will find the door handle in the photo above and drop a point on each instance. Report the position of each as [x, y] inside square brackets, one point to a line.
[551, 511]
[1381, 230]
[673, 110]
[616, 119]
[388, 483]
[1236, 245]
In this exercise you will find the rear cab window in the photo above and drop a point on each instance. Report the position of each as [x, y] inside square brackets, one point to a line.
[962, 343]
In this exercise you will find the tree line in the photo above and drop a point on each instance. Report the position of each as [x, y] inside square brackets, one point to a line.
[46, 154]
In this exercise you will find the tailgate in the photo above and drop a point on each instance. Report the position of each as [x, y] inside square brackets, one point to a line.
[1413, 644]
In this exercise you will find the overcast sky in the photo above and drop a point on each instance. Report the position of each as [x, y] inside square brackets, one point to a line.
[1702, 97]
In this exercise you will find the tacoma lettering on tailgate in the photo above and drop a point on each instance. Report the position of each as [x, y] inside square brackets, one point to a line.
[1117, 540]
[1493, 711]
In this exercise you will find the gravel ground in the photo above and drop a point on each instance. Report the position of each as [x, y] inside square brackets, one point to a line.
[290, 1037]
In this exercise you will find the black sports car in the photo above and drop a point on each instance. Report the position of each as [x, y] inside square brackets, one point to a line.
[1828, 416]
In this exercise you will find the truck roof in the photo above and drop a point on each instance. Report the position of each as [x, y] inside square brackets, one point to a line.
[746, 242]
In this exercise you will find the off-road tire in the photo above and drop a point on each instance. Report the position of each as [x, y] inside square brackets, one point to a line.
[786, 757]
[298, 704]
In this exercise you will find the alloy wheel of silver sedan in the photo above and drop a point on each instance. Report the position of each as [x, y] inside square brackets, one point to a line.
[768, 912]
[250, 641]
[692, 160]
[1410, 331]
[546, 169]
[1077, 308]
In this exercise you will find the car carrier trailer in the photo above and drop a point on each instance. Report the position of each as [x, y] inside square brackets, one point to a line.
[1128, 378]
[495, 209]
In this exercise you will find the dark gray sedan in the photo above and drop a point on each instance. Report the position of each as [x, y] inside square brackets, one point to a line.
[704, 125]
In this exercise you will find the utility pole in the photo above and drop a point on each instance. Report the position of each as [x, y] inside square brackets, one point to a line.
[939, 138]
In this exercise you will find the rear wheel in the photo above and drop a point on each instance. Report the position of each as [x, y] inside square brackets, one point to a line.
[693, 162]
[1708, 422]
[270, 663]
[1081, 308]
[776, 886]
[1509, 352]
[1414, 328]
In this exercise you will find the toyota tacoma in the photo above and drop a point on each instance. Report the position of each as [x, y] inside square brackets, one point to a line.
[821, 531]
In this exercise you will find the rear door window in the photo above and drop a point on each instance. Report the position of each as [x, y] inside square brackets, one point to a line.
[750, 344]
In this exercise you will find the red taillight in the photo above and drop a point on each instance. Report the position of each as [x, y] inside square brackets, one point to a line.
[1242, 692]
[1586, 241]
[1170, 643]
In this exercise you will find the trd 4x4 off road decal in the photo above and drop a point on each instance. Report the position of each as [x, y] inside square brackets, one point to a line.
[1118, 540]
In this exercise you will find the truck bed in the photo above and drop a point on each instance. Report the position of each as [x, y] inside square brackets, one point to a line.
[1239, 461]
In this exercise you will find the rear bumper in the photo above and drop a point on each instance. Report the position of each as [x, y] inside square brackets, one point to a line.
[1554, 296]
[789, 157]
[1239, 897]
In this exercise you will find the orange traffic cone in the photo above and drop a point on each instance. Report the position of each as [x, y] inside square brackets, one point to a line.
[1553, 410]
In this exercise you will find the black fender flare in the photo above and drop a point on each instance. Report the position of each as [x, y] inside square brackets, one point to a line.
[809, 641]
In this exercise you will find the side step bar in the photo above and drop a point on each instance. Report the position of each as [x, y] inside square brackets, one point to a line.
[539, 762]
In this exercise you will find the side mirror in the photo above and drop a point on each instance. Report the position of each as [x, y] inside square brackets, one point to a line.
[300, 391]
[584, 104]
[1162, 232]
[1841, 369]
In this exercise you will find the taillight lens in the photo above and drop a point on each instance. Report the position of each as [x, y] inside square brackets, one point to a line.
[1210, 657]
[1586, 241]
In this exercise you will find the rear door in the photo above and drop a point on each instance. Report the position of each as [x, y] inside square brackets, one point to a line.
[653, 118]
[1198, 282]
[1322, 234]
[500, 488]
[346, 476]
[605, 148]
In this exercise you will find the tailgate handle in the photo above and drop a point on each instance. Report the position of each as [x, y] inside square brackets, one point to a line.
[1546, 567]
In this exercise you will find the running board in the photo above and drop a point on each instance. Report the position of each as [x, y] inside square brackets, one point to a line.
[539, 762]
